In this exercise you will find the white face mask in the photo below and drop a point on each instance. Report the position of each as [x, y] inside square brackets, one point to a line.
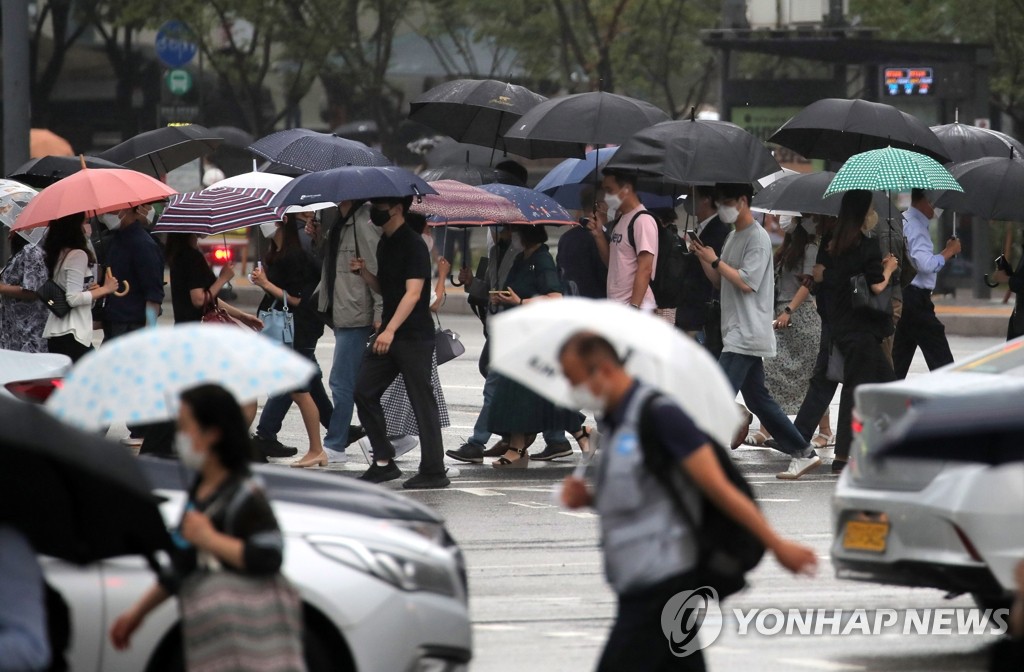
[111, 221]
[268, 229]
[786, 223]
[582, 398]
[150, 215]
[937, 213]
[429, 240]
[187, 453]
[728, 214]
[614, 203]
[810, 226]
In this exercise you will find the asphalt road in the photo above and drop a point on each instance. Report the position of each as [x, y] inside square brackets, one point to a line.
[538, 597]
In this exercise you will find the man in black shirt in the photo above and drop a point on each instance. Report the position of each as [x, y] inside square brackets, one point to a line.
[404, 345]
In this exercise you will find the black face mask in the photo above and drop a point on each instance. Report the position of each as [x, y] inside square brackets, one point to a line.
[379, 217]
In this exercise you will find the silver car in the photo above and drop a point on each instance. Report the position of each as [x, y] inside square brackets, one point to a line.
[383, 584]
[954, 526]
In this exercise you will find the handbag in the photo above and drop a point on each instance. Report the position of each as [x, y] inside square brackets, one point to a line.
[864, 298]
[836, 364]
[214, 314]
[54, 297]
[279, 325]
[447, 345]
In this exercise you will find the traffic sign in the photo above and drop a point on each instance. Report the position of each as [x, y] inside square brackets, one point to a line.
[179, 82]
[175, 44]
[180, 114]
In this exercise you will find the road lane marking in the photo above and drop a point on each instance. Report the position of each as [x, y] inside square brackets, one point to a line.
[480, 492]
[767, 499]
[533, 505]
[579, 514]
[819, 664]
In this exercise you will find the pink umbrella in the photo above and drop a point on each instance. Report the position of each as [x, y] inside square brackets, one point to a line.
[93, 192]
[458, 204]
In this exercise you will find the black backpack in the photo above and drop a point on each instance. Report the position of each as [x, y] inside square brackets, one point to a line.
[667, 283]
[726, 550]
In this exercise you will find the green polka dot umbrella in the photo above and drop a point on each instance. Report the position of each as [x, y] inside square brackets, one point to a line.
[892, 169]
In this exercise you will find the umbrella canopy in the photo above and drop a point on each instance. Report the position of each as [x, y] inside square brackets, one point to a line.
[43, 172]
[44, 142]
[158, 152]
[92, 191]
[835, 129]
[447, 152]
[993, 188]
[891, 169]
[525, 343]
[534, 207]
[467, 173]
[218, 210]
[802, 193]
[362, 130]
[232, 136]
[76, 495]
[966, 143]
[255, 180]
[352, 183]
[566, 181]
[458, 204]
[14, 196]
[475, 111]
[137, 378]
[565, 126]
[695, 151]
[310, 151]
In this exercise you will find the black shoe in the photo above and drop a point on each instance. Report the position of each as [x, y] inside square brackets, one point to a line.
[355, 432]
[379, 474]
[427, 482]
[772, 443]
[502, 447]
[273, 447]
[553, 451]
[468, 452]
[838, 466]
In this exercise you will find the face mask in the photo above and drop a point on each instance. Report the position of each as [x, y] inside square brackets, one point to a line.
[937, 213]
[728, 214]
[379, 217]
[187, 452]
[268, 229]
[871, 221]
[584, 399]
[810, 226]
[614, 203]
[785, 223]
[429, 240]
[111, 221]
[150, 216]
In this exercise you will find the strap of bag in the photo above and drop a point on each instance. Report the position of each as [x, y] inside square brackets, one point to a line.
[283, 300]
[630, 235]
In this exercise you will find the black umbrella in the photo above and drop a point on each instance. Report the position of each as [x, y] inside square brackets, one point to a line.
[76, 495]
[693, 152]
[835, 129]
[803, 193]
[310, 151]
[351, 183]
[564, 127]
[233, 136]
[44, 171]
[474, 111]
[966, 143]
[993, 189]
[468, 173]
[158, 152]
[448, 152]
[363, 130]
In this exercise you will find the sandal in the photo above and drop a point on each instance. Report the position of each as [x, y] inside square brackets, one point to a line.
[521, 462]
[581, 436]
[503, 446]
[822, 440]
[756, 438]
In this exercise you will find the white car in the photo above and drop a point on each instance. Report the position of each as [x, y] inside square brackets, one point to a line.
[31, 376]
[382, 583]
[954, 526]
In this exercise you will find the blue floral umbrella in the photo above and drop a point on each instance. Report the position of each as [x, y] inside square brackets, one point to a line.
[537, 208]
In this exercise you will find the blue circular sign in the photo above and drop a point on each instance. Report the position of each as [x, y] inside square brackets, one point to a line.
[175, 44]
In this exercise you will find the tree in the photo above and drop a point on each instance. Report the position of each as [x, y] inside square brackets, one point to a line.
[68, 21]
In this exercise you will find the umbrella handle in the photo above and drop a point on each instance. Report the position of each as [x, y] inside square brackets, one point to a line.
[454, 282]
[990, 283]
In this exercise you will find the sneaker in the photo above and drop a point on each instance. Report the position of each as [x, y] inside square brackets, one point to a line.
[427, 482]
[379, 474]
[403, 444]
[335, 456]
[798, 466]
[468, 452]
[273, 447]
[553, 451]
[355, 432]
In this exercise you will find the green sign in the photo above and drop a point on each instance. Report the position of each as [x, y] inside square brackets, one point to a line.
[179, 82]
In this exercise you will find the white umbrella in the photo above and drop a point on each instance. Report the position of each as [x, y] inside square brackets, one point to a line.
[138, 377]
[525, 344]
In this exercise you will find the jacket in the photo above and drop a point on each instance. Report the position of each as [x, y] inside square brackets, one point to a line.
[346, 296]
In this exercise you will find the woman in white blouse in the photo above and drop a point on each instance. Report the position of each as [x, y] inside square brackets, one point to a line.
[69, 262]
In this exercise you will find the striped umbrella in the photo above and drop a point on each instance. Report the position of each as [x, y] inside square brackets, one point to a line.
[218, 210]
[892, 169]
[458, 204]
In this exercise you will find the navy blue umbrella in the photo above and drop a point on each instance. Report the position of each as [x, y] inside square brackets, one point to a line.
[566, 181]
[310, 151]
[537, 208]
[351, 183]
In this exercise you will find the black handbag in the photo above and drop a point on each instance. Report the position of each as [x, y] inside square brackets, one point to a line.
[864, 299]
[54, 297]
[447, 345]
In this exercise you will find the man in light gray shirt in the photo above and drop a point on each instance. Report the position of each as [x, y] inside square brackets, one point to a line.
[746, 277]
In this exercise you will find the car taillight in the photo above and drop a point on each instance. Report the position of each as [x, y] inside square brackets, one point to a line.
[36, 391]
[856, 424]
[222, 255]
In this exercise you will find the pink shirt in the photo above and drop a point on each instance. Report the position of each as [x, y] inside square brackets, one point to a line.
[622, 257]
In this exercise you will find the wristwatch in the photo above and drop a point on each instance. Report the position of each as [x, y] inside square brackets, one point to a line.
[787, 310]
[716, 262]
[635, 306]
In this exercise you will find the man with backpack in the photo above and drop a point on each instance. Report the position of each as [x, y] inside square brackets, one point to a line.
[652, 549]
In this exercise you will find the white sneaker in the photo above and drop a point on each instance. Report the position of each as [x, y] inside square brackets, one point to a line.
[403, 444]
[335, 456]
[798, 466]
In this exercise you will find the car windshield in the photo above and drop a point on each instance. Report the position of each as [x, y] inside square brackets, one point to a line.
[1007, 361]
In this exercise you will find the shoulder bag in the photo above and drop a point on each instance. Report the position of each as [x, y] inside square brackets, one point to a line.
[447, 345]
[864, 299]
[53, 296]
[214, 314]
[279, 325]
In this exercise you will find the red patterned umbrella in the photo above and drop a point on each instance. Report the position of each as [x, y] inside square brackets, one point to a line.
[458, 204]
[218, 210]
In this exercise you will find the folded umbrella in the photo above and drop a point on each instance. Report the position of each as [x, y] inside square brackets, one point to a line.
[525, 344]
[44, 171]
[891, 169]
[966, 143]
[310, 151]
[534, 207]
[217, 210]
[158, 152]
[137, 378]
[993, 189]
[802, 193]
[457, 204]
[352, 183]
[74, 494]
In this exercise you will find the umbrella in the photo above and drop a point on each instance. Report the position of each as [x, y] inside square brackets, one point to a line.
[525, 343]
[255, 180]
[43, 142]
[993, 189]
[802, 194]
[232, 136]
[695, 151]
[352, 183]
[835, 129]
[358, 130]
[14, 196]
[565, 126]
[447, 152]
[474, 111]
[891, 169]
[76, 495]
[467, 173]
[458, 204]
[311, 151]
[966, 143]
[534, 207]
[566, 181]
[218, 210]
[137, 378]
[158, 152]
[45, 171]
[92, 191]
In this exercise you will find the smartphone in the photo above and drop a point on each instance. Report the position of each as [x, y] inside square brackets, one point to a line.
[500, 292]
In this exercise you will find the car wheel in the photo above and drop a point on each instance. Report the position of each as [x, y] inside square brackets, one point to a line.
[169, 656]
[318, 654]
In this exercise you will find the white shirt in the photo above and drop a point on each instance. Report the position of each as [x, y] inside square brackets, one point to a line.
[73, 274]
[920, 249]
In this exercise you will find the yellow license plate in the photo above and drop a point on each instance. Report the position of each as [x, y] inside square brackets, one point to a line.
[864, 536]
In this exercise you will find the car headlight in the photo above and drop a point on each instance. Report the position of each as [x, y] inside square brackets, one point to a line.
[395, 566]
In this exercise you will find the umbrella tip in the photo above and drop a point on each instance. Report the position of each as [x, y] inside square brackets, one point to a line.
[693, 113]
[82, 159]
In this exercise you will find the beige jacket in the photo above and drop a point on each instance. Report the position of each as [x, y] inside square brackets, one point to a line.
[355, 305]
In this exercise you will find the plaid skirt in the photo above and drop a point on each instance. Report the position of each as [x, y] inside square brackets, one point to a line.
[398, 412]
